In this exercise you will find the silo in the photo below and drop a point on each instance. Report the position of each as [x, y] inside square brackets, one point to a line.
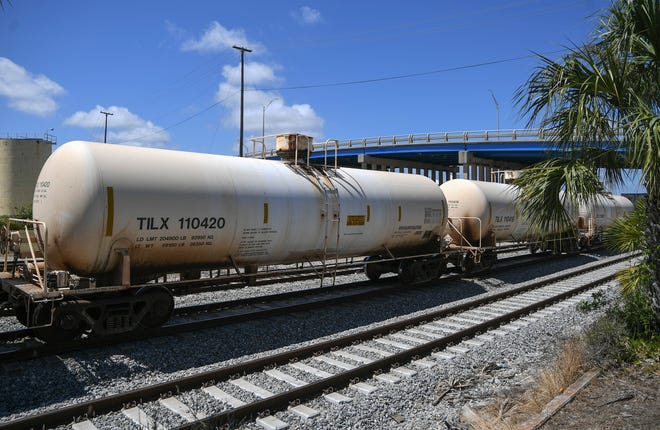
[21, 160]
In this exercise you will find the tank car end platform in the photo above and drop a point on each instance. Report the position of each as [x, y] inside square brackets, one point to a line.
[9, 283]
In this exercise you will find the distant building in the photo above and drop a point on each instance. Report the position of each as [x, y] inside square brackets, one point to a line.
[21, 160]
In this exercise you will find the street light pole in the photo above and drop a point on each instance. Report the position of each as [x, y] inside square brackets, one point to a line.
[243, 51]
[263, 118]
[47, 134]
[105, 132]
[497, 108]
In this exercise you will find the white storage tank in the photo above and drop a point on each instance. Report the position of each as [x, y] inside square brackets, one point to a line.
[21, 160]
[482, 212]
[173, 209]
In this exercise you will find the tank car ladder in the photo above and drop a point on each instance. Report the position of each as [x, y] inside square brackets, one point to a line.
[332, 215]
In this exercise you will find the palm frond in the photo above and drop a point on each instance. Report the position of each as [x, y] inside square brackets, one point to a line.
[549, 189]
[633, 278]
[577, 97]
[643, 136]
[626, 234]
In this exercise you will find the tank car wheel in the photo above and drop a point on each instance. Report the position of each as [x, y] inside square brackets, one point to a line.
[22, 314]
[66, 323]
[372, 270]
[406, 273]
[488, 259]
[160, 304]
[468, 264]
[4, 300]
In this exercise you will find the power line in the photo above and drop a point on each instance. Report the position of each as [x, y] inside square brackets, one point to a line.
[357, 82]
[185, 119]
[406, 76]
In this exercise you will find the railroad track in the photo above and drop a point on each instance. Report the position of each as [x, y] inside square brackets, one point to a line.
[226, 282]
[418, 342]
[269, 276]
[227, 312]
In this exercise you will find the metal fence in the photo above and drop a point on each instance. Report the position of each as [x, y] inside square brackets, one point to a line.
[479, 136]
[51, 138]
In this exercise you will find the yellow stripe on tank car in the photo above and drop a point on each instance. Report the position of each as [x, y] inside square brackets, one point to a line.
[399, 213]
[110, 218]
[368, 213]
[265, 213]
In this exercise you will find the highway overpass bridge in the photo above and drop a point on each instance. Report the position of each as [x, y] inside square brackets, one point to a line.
[482, 155]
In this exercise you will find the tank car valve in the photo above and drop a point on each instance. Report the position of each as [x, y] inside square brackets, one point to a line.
[446, 241]
[57, 279]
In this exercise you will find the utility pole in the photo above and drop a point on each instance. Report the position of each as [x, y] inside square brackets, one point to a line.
[497, 108]
[243, 51]
[105, 133]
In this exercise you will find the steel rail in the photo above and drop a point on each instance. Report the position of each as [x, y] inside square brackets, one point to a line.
[282, 400]
[42, 350]
[226, 282]
[263, 278]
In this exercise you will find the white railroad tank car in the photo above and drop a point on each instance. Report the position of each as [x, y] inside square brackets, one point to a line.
[171, 209]
[482, 212]
[602, 212]
[114, 216]
[593, 217]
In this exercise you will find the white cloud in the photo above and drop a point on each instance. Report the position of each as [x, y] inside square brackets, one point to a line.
[27, 93]
[123, 127]
[307, 15]
[254, 74]
[174, 30]
[218, 38]
[279, 117]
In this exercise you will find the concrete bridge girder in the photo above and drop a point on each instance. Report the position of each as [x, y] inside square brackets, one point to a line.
[435, 172]
[474, 168]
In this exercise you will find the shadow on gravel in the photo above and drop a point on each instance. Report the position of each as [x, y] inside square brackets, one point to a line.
[238, 340]
[58, 379]
[534, 271]
[24, 388]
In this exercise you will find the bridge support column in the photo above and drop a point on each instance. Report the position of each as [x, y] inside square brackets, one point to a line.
[433, 171]
[476, 168]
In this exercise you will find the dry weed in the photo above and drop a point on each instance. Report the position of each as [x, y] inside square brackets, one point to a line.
[507, 413]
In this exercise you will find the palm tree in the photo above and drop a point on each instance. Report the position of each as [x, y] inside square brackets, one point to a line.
[601, 102]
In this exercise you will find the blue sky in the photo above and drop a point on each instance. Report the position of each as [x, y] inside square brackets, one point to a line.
[331, 69]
